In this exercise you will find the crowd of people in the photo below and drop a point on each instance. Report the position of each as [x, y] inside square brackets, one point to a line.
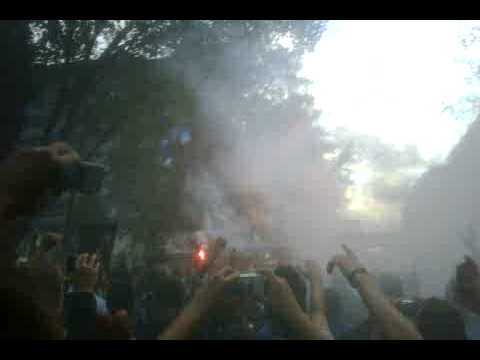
[225, 300]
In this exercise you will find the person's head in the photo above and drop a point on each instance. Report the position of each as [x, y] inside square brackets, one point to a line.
[391, 285]
[27, 315]
[437, 320]
[467, 283]
[25, 178]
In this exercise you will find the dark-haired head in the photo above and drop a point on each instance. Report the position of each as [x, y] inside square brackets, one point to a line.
[467, 283]
[28, 315]
[438, 320]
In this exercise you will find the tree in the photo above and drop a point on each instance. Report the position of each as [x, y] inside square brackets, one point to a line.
[15, 66]
[121, 86]
[102, 44]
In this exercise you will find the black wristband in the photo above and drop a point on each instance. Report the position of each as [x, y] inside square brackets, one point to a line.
[351, 278]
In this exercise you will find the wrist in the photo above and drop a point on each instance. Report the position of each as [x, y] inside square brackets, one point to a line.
[194, 313]
[199, 304]
[307, 329]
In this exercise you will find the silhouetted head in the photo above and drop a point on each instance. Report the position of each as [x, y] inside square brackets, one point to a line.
[24, 313]
[467, 283]
[437, 320]
[25, 180]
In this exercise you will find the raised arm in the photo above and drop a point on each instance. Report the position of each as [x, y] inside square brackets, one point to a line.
[286, 306]
[318, 302]
[395, 326]
[191, 317]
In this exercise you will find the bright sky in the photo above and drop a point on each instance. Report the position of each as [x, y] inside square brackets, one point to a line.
[393, 80]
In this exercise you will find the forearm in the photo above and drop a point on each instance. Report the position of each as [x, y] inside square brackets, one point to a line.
[394, 324]
[185, 323]
[306, 329]
[319, 309]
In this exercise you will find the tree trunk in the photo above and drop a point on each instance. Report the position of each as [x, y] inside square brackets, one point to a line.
[16, 89]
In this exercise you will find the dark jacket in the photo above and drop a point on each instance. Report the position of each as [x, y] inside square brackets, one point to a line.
[81, 316]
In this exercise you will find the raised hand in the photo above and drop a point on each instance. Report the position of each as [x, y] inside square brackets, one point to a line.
[347, 263]
[318, 300]
[212, 290]
[318, 293]
[285, 304]
[61, 153]
[281, 296]
[86, 273]
[393, 323]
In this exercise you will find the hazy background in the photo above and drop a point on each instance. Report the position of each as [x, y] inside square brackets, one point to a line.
[312, 133]
[405, 93]
[396, 97]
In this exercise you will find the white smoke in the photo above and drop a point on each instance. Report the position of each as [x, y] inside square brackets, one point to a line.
[299, 190]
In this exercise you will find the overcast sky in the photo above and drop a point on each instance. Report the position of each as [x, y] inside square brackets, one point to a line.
[393, 80]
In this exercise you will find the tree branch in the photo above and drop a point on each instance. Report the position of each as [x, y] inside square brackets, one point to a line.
[110, 50]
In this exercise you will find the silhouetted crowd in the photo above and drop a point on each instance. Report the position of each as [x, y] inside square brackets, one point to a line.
[49, 296]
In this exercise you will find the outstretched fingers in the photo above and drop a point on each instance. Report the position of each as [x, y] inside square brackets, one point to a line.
[348, 251]
[314, 269]
[332, 263]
